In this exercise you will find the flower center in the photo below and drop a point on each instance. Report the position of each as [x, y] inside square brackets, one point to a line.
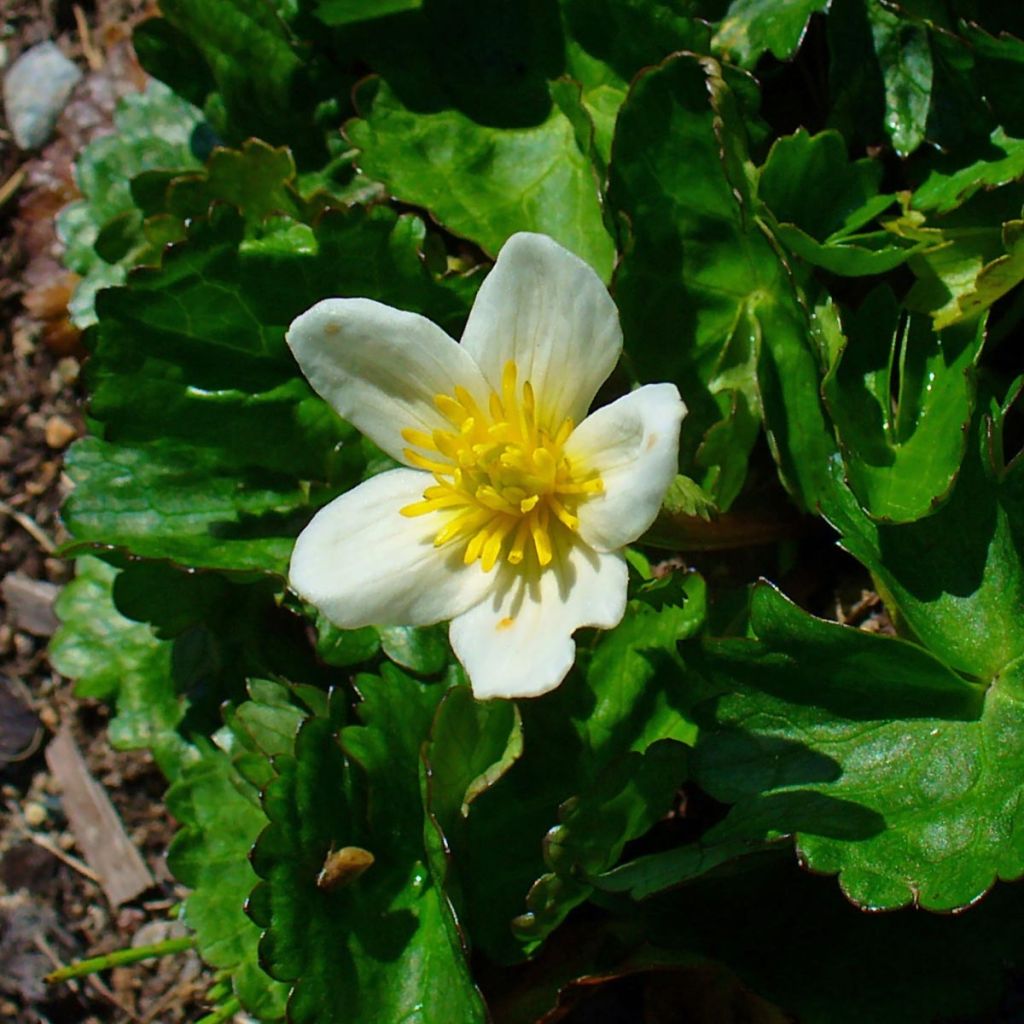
[503, 480]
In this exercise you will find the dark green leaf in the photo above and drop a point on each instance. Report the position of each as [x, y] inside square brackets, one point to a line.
[949, 183]
[263, 86]
[171, 502]
[902, 455]
[827, 709]
[703, 294]
[421, 649]
[379, 947]
[627, 699]
[485, 183]
[955, 578]
[220, 819]
[751, 27]
[345, 12]
[905, 56]
[624, 802]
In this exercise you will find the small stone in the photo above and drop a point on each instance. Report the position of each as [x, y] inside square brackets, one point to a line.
[35, 814]
[59, 433]
[49, 717]
[68, 369]
[30, 602]
[36, 88]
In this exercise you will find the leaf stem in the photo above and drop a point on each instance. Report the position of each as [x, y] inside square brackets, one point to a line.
[222, 1013]
[118, 958]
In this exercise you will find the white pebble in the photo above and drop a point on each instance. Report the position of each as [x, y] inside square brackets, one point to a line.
[36, 88]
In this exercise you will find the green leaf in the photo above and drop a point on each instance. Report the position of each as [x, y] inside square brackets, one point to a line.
[257, 179]
[485, 183]
[220, 819]
[752, 27]
[380, 947]
[200, 339]
[949, 183]
[954, 579]
[574, 742]
[171, 502]
[820, 202]
[199, 342]
[902, 456]
[623, 803]
[703, 295]
[472, 745]
[905, 56]
[346, 12]
[344, 647]
[999, 64]
[115, 659]
[102, 232]
[967, 259]
[264, 87]
[421, 649]
[992, 282]
[609, 41]
[827, 709]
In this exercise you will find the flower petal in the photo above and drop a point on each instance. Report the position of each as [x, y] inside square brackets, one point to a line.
[380, 368]
[517, 642]
[362, 563]
[546, 309]
[634, 444]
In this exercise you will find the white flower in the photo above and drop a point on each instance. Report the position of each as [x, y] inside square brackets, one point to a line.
[510, 517]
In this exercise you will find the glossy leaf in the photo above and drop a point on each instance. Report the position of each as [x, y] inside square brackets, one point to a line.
[703, 295]
[830, 710]
[753, 27]
[261, 82]
[378, 947]
[902, 455]
[905, 56]
[948, 184]
[954, 579]
[153, 132]
[576, 742]
[538, 179]
[822, 202]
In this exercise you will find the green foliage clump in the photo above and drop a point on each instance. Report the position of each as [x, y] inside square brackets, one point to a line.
[810, 217]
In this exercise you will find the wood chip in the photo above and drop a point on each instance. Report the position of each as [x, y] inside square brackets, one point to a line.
[31, 603]
[97, 828]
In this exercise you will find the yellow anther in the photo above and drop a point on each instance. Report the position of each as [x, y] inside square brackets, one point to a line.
[541, 540]
[430, 465]
[518, 549]
[420, 438]
[451, 410]
[503, 486]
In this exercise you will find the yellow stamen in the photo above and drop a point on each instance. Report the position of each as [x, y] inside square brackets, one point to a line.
[503, 486]
[420, 438]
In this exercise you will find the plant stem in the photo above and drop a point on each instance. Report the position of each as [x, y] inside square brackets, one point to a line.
[119, 957]
[222, 1013]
